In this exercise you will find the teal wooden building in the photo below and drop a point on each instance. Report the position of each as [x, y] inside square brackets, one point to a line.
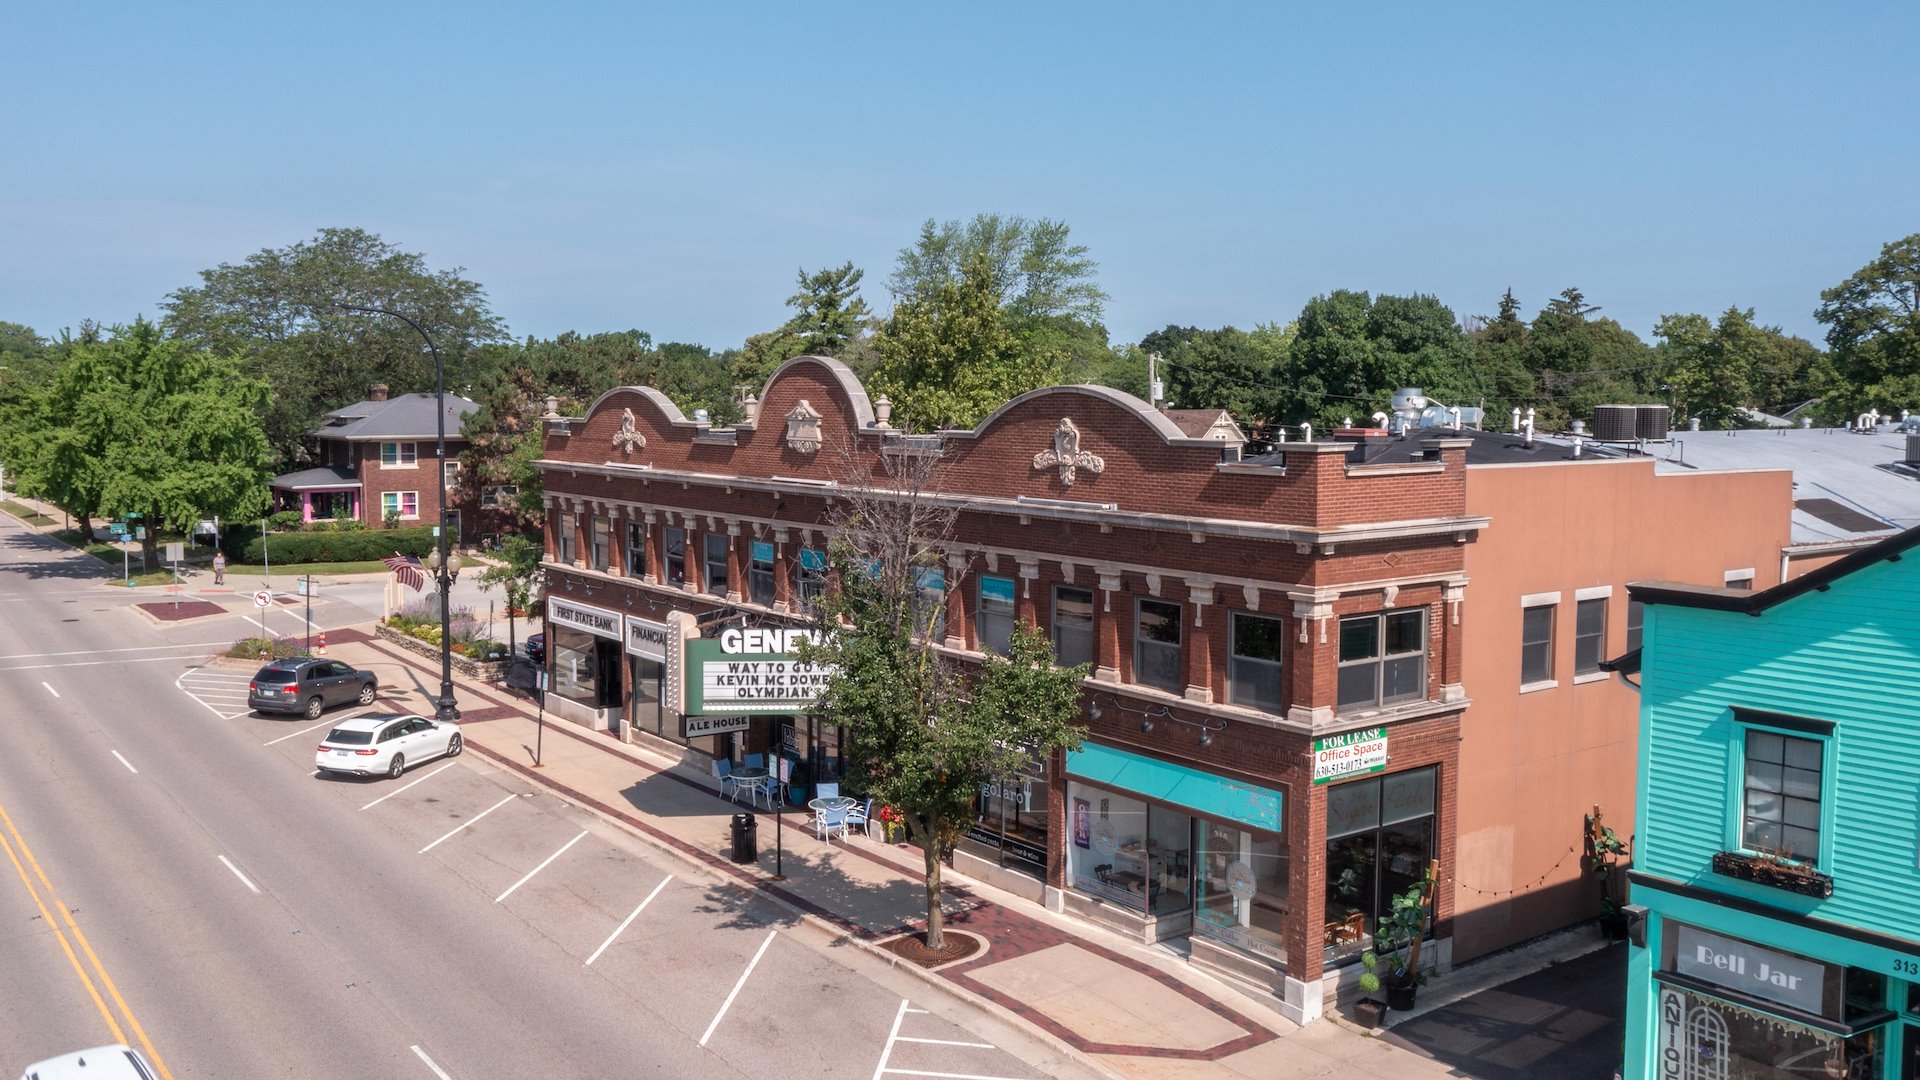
[1775, 918]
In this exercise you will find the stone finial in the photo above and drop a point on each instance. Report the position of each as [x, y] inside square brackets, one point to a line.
[882, 411]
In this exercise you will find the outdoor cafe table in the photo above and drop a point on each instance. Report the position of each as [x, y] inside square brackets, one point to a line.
[751, 778]
[830, 803]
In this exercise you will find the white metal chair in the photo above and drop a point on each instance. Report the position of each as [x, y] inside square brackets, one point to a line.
[862, 816]
[827, 822]
[826, 791]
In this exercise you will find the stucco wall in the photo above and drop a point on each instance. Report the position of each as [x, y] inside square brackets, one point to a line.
[1534, 764]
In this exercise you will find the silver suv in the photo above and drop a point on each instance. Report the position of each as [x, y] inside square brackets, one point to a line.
[306, 685]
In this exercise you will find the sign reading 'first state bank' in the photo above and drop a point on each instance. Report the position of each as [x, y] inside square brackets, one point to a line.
[752, 671]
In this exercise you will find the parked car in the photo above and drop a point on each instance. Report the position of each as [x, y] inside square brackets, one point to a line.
[537, 648]
[308, 685]
[114, 1062]
[375, 743]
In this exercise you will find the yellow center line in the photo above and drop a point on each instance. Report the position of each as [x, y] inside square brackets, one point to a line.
[65, 946]
[106, 980]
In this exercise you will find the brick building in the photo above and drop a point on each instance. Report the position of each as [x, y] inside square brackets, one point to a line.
[1276, 697]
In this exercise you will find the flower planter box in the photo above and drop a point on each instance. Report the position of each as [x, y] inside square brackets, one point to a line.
[492, 671]
[1368, 1012]
[1775, 873]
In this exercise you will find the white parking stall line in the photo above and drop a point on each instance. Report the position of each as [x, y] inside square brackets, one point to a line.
[238, 874]
[99, 663]
[946, 1042]
[469, 821]
[894, 1038]
[50, 689]
[302, 731]
[398, 790]
[542, 866]
[948, 1075]
[735, 992]
[618, 930]
[437, 1071]
[125, 762]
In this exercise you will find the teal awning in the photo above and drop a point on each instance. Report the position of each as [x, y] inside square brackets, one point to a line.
[1163, 781]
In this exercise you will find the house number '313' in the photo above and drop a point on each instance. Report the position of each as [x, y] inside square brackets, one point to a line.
[1904, 966]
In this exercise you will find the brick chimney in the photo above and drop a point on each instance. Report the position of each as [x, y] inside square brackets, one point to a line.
[377, 392]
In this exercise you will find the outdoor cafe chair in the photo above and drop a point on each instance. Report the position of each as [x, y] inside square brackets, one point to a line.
[826, 791]
[756, 761]
[767, 785]
[723, 772]
[862, 816]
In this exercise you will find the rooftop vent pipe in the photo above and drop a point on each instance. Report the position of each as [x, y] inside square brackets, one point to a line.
[1693, 423]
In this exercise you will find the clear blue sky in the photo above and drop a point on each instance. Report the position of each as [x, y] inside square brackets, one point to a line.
[602, 167]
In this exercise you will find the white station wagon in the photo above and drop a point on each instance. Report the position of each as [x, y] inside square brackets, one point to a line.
[375, 743]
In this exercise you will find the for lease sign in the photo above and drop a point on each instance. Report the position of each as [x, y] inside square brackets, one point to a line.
[1349, 753]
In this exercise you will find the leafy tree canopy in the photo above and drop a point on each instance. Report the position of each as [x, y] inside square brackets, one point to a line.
[949, 358]
[1036, 270]
[1351, 351]
[1873, 332]
[277, 312]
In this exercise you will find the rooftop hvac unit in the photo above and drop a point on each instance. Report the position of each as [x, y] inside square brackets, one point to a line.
[1913, 449]
[1650, 422]
[1616, 423]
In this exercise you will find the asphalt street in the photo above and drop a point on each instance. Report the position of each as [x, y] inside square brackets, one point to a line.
[174, 875]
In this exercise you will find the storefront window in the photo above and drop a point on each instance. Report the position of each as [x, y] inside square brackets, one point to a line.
[1010, 821]
[1380, 838]
[993, 620]
[1101, 824]
[1156, 646]
[563, 538]
[1169, 857]
[576, 669]
[1240, 888]
[809, 579]
[674, 548]
[1707, 1037]
[760, 575]
[1072, 626]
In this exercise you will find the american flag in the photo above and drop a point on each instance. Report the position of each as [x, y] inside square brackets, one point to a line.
[407, 568]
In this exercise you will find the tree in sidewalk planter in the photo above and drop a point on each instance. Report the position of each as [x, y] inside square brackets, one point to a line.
[518, 572]
[924, 732]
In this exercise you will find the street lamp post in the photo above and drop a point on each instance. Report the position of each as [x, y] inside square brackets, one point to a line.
[445, 566]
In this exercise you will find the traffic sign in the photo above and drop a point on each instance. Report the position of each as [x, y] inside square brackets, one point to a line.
[176, 551]
[262, 598]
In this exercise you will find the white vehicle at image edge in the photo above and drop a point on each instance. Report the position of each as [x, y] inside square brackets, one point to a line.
[374, 743]
[114, 1062]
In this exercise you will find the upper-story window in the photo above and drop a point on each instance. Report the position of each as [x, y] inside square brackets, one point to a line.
[760, 574]
[1254, 664]
[1536, 643]
[674, 554]
[1072, 625]
[563, 537]
[399, 455]
[1589, 635]
[402, 504]
[993, 619]
[716, 545]
[451, 470]
[599, 542]
[1782, 785]
[498, 496]
[1636, 621]
[636, 549]
[809, 580]
[1738, 579]
[1156, 645]
[929, 590]
[1383, 659]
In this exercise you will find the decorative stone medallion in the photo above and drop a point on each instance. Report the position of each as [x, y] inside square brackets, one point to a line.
[627, 439]
[803, 428]
[1067, 455]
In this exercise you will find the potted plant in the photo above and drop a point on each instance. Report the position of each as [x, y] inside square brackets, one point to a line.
[1369, 1010]
[1398, 941]
[1605, 849]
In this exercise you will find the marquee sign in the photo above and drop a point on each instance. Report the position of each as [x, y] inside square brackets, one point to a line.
[752, 671]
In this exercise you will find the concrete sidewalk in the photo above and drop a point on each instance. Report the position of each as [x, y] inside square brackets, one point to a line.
[1137, 1012]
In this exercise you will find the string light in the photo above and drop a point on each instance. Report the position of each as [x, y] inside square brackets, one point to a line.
[1529, 886]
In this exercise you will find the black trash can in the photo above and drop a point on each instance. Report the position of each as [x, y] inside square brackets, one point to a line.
[745, 846]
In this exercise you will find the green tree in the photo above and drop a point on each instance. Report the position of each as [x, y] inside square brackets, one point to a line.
[518, 573]
[1577, 361]
[949, 358]
[1873, 332]
[277, 312]
[924, 732]
[1351, 351]
[1500, 357]
[151, 425]
[828, 311]
[1230, 369]
[1709, 366]
[1033, 266]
